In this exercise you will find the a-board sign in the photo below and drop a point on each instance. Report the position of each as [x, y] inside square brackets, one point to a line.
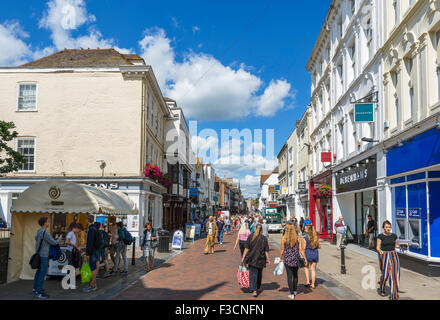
[190, 231]
[177, 240]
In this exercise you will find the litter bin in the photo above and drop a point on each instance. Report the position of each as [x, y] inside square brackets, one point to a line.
[164, 241]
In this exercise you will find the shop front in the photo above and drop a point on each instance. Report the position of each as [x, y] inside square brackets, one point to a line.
[321, 206]
[413, 171]
[356, 197]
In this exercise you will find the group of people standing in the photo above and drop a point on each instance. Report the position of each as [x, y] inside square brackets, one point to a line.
[98, 247]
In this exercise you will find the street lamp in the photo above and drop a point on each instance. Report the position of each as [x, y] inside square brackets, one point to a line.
[369, 140]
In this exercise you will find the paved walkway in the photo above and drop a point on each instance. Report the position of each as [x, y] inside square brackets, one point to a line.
[195, 276]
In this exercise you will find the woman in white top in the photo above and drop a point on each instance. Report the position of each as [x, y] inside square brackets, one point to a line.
[71, 241]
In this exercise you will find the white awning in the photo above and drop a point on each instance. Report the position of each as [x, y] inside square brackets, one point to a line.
[61, 196]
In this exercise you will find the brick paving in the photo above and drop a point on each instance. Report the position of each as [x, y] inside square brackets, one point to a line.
[195, 276]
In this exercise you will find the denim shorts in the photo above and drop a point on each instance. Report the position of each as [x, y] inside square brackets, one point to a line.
[94, 259]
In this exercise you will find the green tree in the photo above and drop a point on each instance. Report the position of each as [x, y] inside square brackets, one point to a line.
[10, 160]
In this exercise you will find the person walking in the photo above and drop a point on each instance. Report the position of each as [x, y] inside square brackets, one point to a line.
[92, 247]
[242, 237]
[102, 252]
[389, 261]
[290, 244]
[301, 225]
[228, 225]
[256, 255]
[252, 224]
[149, 244]
[309, 248]
[371, 232]
[221, 229]
[265, 228]
[121, 250]
[43, 241]
[114, 239]
[211, 233]
[340, 232]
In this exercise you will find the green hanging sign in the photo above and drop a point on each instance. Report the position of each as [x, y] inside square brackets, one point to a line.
[364, 112]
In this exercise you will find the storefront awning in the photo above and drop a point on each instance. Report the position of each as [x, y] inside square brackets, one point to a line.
[61, 196]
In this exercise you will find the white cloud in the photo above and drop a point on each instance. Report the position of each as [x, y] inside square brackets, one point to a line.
[195, 29]
[250, 185]
[63, 16]
[273, 98]
[205, 88]
[14, 51]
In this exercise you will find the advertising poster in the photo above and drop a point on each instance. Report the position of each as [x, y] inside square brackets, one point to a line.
[177, 240]
[133, 223]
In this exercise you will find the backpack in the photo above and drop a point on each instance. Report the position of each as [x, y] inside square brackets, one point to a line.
[99, 241]
[128, 239]
[104, 237]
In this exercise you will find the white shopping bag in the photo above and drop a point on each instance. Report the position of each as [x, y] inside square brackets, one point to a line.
[279, 270]
[277, 260]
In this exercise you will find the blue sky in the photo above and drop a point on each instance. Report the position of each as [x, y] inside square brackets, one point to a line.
[229, 64]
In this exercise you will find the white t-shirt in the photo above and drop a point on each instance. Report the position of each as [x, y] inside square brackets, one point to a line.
[210, 228]
[71, 236]
[148, 236]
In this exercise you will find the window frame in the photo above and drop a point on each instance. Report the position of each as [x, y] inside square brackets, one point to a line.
[35, 153]
[20, 83]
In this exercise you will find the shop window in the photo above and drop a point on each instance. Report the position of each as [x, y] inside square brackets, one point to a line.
[415, 177]
[398, 180]
[434, 174]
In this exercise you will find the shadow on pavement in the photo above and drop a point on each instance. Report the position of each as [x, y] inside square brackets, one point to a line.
[270, 286]
[173, 294]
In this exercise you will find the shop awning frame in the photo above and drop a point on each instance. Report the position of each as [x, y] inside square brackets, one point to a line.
[61, 196]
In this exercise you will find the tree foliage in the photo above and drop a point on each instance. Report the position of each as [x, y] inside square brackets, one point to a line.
[10, 160]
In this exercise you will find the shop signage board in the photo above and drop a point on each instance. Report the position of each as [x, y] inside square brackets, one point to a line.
[326, 157]
[364, 112]
[177, 240]
[190, 231]
[400, 213]
[302, 186]
[133, 223]
[360, 176]
[193, 192]
[277, 188]
[414, 213]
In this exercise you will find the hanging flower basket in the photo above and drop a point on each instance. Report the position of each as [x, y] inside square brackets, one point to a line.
[154, 173]
[324, 192]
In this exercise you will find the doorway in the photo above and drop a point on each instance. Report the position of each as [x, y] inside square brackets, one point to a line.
[365, 205]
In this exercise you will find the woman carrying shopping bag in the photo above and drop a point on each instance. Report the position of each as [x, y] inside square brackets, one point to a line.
[290, 244]
[309, 248]
[256, 255]
[149, 245]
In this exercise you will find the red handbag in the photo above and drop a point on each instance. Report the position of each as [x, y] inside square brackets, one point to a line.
[243, 277]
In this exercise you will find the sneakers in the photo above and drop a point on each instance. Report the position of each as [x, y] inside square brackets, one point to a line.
[254, 294]
[124, 273]
[107, 274]
[89, 289]
[41, 295]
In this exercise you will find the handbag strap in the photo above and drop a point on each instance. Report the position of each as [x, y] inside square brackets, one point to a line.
[41, 241]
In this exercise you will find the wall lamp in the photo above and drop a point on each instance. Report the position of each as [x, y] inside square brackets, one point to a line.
[399, 143]
[369, 140]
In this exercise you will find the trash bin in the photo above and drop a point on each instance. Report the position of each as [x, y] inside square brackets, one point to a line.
[164, 241]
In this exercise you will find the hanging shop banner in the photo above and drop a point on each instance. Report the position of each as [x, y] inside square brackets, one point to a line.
[193, 192]
[326, 157]
[302, 186]
[177, 240]
[364, 112]
[357, 177]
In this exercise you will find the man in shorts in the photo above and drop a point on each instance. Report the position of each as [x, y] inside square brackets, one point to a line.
[92, 252]
[102, 252]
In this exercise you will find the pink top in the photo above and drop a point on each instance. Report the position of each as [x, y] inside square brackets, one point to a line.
[243, 237]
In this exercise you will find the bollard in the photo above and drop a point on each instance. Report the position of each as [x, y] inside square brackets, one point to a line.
[343, 270]
[133, 255]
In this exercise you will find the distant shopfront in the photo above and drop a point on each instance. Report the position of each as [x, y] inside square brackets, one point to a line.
[321, 208]
[356, 196]
[413, 170]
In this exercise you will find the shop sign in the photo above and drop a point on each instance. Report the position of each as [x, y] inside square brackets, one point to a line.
[414, 213]
[358, 177]
[277, 188]
[302, 186]
[177, 240]
[363, 112]
[326, 157]
[193, 192]
[285, 191]
[109, 186]
[400, 213]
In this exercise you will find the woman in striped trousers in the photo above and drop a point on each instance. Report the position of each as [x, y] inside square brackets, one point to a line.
[389, 261]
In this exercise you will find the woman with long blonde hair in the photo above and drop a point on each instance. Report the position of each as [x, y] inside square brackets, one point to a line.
[256, 255]
[310, 246]
[290, 245]
[242, 236]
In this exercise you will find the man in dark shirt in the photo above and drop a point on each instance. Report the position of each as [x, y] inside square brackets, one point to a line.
[371, 232]
[92, 252]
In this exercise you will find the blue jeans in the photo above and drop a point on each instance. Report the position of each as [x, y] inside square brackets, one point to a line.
[255, 278]
[220, 236]
[40, 275]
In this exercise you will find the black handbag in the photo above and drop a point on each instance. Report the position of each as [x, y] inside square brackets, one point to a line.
[301, 260]
[35, 261]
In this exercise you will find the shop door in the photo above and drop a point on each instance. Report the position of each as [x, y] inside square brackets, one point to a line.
[369, 208]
